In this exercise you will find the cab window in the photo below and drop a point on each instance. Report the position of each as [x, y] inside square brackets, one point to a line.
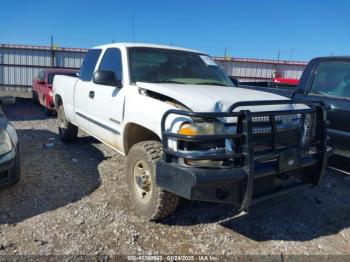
[332, 79]
[112, 61]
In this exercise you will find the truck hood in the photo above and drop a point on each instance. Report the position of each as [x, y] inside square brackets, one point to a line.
[208, 98]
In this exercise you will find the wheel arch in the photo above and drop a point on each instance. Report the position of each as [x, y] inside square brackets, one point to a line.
[134, 133]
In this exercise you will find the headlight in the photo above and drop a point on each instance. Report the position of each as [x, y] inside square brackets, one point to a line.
[201, 128]
[5, 142]
[50, 93]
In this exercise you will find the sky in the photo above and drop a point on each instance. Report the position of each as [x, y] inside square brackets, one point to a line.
[295, 29]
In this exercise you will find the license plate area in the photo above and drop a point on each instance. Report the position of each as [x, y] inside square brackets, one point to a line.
[288, 160]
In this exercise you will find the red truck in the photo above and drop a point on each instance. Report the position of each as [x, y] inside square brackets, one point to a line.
[287, 81]
[42, 87]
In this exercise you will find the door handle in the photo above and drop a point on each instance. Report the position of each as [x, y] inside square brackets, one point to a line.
[92, 94]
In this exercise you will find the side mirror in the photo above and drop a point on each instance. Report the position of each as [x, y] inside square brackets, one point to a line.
[234, 80]
[108, 78]
[7, 100]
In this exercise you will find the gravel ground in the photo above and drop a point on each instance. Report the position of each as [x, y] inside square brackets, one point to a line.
[72, 200]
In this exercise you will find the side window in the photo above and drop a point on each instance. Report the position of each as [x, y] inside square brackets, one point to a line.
[112, 61]
[332, 79]
[89, 64]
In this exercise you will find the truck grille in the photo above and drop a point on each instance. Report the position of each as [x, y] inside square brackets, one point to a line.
[282, 131]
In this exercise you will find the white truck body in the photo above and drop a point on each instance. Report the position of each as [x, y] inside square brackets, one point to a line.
[107, 115]
[187, 130]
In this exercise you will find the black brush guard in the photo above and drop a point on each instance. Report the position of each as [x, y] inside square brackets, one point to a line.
[264, 147]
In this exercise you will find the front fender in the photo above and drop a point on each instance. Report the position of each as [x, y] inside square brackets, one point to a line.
[148, 112]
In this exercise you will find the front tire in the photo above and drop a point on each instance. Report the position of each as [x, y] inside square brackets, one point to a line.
[66, 130]
[149, 200]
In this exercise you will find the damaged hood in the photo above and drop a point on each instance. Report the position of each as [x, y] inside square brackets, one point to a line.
[208, 98]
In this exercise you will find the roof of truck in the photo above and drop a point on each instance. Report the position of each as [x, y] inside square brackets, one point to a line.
[345, 57]
[145, 45]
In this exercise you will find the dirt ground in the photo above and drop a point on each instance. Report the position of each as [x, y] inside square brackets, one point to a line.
[72, 200]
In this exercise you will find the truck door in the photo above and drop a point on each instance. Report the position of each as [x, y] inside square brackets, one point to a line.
[332, 85]
[108, 102]
[84, 91]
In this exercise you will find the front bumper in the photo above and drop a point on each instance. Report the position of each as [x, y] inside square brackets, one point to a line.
[228, 185]
[8, 167]
[288, 164]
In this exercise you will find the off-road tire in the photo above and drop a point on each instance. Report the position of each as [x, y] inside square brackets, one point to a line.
[161, 203]
[66, 130]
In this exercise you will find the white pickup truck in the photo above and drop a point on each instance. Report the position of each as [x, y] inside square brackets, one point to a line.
[187, 131]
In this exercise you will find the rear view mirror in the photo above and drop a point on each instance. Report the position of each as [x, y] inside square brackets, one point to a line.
[7, 100]
[108, 78]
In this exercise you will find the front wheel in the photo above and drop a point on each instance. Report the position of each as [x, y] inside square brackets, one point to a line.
[149, 200]
[66, 130]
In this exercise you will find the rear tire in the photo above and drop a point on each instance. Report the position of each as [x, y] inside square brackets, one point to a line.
[149, 200]
[66, 130]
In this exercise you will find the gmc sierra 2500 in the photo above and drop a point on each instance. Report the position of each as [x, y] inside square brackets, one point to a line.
[187, 131]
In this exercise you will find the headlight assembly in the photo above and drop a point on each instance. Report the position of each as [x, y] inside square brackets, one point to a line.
[5, 142]
[202, 128]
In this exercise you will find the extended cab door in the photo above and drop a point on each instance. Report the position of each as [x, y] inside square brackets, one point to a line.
[84, 91]
[99, 107]
[331, 84]
[108, 102]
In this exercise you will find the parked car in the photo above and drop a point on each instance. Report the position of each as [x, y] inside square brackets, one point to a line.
[327, 79]
[42, 87]
[9, 149]
[187, 131]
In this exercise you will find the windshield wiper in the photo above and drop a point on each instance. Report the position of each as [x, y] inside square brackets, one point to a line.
[211, 83]
[168, 81]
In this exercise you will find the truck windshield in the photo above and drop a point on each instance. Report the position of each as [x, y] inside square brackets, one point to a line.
[332, 79]
[156, 65]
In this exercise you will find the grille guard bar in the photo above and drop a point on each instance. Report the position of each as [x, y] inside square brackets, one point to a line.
[244, 136]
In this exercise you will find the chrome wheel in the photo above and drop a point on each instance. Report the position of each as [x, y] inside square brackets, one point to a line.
[142, 181]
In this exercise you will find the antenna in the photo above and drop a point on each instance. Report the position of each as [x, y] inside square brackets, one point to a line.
[52, 53]
[278, 62]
